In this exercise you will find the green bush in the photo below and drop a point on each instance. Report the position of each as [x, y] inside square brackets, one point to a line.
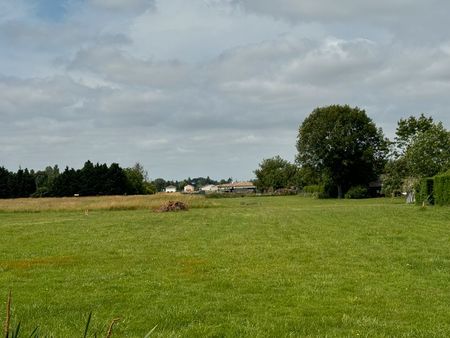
[442, 189]
[314, 191]
[424, 192]
[357, 192]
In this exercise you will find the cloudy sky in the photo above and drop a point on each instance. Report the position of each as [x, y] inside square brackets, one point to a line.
[207, 87]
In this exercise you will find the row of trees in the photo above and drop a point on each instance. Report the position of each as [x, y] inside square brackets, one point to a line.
[98, 179]
[19, 184]
[90, 180]
[340, 149]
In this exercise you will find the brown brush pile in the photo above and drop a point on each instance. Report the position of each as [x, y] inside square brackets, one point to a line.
[173, 206]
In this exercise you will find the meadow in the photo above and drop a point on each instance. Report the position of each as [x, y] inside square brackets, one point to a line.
[254, 266]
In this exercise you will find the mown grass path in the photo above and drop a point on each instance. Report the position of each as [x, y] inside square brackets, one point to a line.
[259, 267]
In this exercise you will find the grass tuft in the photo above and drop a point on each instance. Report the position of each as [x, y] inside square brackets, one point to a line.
[7, 323]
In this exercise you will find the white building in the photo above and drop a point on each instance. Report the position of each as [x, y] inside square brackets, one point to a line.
[209, 188]
[238, 187]
[171, 188]
[189, 189]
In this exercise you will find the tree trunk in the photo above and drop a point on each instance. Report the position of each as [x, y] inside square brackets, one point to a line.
[339, 191]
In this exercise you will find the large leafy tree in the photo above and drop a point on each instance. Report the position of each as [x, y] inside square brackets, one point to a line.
[137, 178]
[343, 144]
[422, 148]
[408, 129]
[429, 153]
[275, 173]
[45, 180]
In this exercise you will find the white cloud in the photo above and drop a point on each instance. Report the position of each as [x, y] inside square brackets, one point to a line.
[353, 10]
[114, 65]
[196, 31]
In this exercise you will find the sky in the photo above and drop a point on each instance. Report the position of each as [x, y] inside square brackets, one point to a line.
[207, 87]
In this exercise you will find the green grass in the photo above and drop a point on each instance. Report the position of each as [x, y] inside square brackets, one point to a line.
[257, 267]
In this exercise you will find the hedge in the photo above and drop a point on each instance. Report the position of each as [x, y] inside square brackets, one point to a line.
[425, 192]
[442, 189]
[357, 192]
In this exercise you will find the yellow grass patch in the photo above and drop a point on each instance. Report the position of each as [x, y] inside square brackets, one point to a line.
[86, 204]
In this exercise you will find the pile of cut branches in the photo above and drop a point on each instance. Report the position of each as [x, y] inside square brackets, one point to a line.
[173, 206]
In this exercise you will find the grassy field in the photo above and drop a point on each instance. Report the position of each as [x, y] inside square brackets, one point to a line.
[257, 267]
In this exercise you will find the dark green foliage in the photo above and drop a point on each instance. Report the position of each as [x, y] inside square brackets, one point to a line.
[137, 177]
[308, 176]
[88, 184]
[92, 180]
[149, 188]
[67, 183]
[357, 192]
[442, 189]
[429, 153]
[408, 129]
[20, 184]
[4, 183]
[394, 173]
[44, 181]
[422, 150]
[276, 173]
[425, 192]
[344, 144]
[159, 184]
[116, 182]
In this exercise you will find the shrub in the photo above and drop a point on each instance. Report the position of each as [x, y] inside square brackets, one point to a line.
[425, 191]
[357, 192]
[442, 189]
[315, 191]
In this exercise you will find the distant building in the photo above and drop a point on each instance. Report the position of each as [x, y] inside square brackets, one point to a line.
[209, 188]
[189, 189]
[237, 187]
[170, 188]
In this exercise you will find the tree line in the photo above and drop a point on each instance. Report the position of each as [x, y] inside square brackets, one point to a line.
[90, 180]
[341, 152]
